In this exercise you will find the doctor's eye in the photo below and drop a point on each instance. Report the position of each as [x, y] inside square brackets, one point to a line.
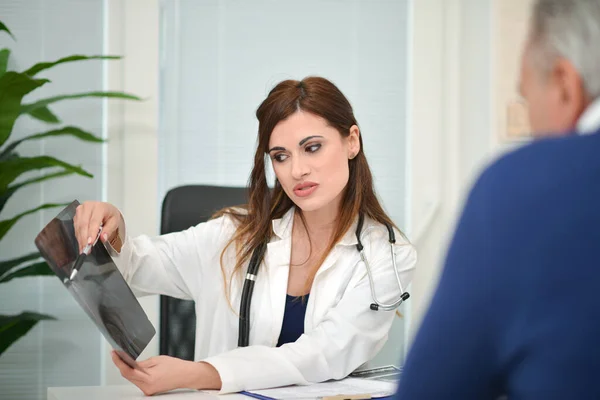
[313, 148]
[279, 157]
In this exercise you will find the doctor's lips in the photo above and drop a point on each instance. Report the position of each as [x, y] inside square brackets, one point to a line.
[305, 189]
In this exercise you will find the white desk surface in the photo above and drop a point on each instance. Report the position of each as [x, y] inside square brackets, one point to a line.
[129, 392]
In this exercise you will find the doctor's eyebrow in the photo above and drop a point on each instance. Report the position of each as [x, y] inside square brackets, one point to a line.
[306, 139]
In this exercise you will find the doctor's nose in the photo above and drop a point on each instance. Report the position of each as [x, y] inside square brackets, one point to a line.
[299, 168]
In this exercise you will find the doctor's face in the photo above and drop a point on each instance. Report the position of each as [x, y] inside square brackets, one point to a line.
[310, 160]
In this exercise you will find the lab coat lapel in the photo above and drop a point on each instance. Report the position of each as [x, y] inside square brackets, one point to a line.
[277, 261]
[348, 240]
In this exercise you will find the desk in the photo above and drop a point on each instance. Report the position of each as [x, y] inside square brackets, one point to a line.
[129, 392]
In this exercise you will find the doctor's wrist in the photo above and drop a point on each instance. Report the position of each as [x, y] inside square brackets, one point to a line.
[204, 377]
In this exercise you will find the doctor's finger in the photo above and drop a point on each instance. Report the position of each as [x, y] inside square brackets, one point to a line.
[96, 221]
[109, 228]
[81, 221]
[127, 372]
[149, 363]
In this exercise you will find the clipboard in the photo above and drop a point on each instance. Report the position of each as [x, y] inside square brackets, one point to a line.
[98, 287]
[338, 397]
[348, 388]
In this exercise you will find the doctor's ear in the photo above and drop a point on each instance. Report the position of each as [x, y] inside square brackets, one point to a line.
[353, 142]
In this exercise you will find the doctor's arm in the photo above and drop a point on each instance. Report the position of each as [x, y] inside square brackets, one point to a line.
[349, 335]
[169, 264]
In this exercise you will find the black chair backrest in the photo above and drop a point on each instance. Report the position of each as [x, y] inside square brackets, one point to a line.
[183, 207]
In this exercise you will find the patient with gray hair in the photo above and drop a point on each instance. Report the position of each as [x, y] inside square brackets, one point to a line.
[560, 66]
[516, 313]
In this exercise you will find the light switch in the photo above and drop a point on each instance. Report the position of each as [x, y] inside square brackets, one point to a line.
[517, 120]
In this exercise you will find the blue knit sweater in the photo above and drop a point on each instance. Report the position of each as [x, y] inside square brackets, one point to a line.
[517, 310]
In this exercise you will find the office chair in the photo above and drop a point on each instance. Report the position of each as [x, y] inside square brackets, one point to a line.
[183, 207]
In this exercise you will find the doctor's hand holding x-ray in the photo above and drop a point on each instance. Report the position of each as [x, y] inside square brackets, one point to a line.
[322, 265]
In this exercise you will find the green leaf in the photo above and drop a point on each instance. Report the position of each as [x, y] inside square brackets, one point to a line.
[27, 108]
[45, 65]
[7, 265]
[44, 114]
[9, 156]
[13, 86]
[5, 29]
[4, 196]
[8, 153]
[12, 169]
[6, 224]
[67, 130]
[4, 54]
[13, 327]
[37, 269]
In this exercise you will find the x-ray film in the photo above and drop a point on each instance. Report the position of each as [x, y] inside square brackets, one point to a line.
[98, 287]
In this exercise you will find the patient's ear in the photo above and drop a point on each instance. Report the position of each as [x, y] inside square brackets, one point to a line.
[570, 94]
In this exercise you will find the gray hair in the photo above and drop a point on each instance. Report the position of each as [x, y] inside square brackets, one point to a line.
[569, 29]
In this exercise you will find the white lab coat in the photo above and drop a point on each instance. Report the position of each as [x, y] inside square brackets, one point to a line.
[340, 331]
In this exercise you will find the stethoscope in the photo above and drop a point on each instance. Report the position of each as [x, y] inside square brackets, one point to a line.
[258, 254]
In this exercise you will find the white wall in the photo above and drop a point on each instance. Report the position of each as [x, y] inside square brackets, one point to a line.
[426, 126]
[456, 111]
[133, 31]
[450, 127]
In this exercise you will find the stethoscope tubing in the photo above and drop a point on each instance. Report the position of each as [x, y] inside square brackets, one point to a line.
[258, 254]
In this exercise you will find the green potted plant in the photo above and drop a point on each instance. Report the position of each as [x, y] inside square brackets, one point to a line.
[14, 86]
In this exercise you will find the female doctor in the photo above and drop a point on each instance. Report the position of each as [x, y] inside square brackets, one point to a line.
[310, 315]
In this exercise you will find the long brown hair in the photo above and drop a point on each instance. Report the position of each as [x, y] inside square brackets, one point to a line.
[320, 97]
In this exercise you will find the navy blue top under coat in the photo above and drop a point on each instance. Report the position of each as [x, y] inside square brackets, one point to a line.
[293, 319]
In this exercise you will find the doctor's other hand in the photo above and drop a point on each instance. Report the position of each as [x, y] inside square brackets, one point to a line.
[163, 373]
[88, 218]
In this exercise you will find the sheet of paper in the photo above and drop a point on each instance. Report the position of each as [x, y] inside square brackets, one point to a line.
[348, 386]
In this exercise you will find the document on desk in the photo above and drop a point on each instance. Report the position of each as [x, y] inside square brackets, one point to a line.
[99, 287]
[350, 387]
